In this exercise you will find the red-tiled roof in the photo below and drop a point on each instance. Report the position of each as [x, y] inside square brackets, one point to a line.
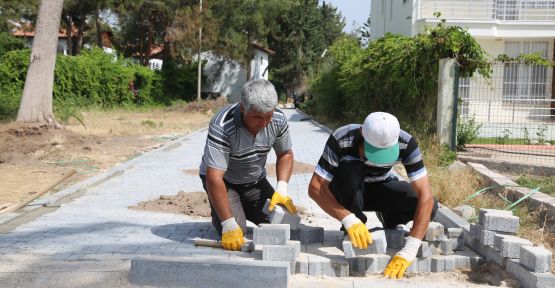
[28, 31]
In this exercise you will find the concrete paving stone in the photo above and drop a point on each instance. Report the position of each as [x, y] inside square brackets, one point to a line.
[424, 265]
[279, 253]
[378, 246]
[483, 211]
[465, 211]
[308, 234]
[445, 246]
[332, 266]
[536, 259]
[462, 262]
[333, 237]
[454, 232]
[271, 234]
[280, 215]
[196, 272]
[529, 279]
[424, 250]
[511, 245]
[437, 263]
[450, 262]
[457, 244]
[395, 238]
[301, 264]
[501, 222]
[368, 264]
[475, 230]
[435, 232]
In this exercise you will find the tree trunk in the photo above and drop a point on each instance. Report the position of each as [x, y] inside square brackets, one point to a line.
[98, 30]
[69, 25]
[79, 40]
[149, 41]
[36, 102]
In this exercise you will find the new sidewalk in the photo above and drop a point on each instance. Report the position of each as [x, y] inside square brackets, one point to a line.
[90, 238]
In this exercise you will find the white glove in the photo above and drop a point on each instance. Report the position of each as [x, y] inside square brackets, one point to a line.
[411, 248]
[282, 188]
[229, 225]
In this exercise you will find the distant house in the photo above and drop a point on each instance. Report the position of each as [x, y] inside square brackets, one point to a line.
[510, 27]
[27, 32]
[226, 77]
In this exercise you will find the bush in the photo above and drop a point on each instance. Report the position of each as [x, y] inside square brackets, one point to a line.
[10, 43]
[179, 80]
[395, 74]
[467, 131]
[93, 78]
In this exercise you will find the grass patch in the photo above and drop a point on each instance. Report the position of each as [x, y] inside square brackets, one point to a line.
[546, 184]
[504, 141]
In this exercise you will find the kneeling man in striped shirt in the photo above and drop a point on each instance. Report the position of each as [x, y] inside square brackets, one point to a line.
[232, 170]
[355, 174]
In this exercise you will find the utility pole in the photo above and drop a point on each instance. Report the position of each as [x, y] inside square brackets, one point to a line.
[199, 76]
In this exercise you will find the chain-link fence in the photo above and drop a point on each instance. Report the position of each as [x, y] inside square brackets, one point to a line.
[512, 114]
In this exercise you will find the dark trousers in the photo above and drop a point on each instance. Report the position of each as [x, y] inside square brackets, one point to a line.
[252, 198]
[393, 201]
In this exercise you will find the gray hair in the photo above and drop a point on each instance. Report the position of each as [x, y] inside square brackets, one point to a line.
[259, 95]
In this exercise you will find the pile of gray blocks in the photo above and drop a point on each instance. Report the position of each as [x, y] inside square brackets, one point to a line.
[437, 253]
[273, 241]
[300, 232]
[494, 237]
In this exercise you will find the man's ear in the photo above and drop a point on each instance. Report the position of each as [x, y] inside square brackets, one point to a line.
[241, 108]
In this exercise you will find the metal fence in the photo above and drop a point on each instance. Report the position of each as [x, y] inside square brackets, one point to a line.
[501, 10]
[514, 112]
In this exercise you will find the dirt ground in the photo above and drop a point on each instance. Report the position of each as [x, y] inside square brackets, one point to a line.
[196, 203]
[33, 157]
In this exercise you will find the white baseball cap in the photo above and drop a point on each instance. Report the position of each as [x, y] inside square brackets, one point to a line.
[381, 137]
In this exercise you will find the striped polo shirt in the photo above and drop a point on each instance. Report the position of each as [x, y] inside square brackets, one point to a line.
[230, 146]
[343, 145]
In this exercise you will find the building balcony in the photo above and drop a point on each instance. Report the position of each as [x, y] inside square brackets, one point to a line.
[489, 11]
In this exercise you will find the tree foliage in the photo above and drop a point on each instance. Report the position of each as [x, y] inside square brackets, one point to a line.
[397, 74]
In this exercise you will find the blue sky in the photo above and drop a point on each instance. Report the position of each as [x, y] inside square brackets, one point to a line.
[352, 10]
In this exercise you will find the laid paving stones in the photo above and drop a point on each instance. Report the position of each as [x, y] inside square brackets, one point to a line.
[536, 259]
[308, 234]
[271, 234]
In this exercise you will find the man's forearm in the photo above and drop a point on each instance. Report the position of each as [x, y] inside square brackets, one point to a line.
[284, 166]
[320, 193]
[424, 208]
[217, 192]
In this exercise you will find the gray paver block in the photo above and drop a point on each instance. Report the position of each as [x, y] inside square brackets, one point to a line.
[437, 263]
[308, 234]
[279, 253]
[483, 211]
[435, 232]
[457, 244]
[196, 272]
[271, 234]
[500, 222]
[280, 215]
[450, 262]
[445, 247]
[529, 279]
[454, 232]
[301, 265]
[424, 250]
[378, 246]
[475, 230]
[395, 238]
[328, 266]
[537, 259]
[368, 264]
[462, 262]
[511, 245]
[465, 211]
[296, 244]
[420, 265]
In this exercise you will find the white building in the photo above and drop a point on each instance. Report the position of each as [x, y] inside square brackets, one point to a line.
[226, 77]
[510, 27]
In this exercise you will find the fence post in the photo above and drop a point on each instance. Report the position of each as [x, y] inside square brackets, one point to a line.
[447, 102]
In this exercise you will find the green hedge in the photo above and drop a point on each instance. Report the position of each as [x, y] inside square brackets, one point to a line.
[93, 78]
[396, 74]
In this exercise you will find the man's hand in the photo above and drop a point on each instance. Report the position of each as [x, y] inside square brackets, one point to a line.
[357, 231]
[280, 197]
[400, 262]
[232, 235]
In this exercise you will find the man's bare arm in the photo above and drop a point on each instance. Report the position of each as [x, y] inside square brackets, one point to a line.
[319, 192]
[424, 207]
[284, 166]
[217, 193]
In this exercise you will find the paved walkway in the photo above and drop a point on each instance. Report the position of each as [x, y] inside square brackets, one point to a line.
[92, 235]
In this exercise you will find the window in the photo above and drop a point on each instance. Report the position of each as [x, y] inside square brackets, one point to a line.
[521, 81]
[464, 95]
[506, 10]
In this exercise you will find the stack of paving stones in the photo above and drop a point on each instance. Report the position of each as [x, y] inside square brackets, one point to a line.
[275, 245]
[439, 251]
[494, 237]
